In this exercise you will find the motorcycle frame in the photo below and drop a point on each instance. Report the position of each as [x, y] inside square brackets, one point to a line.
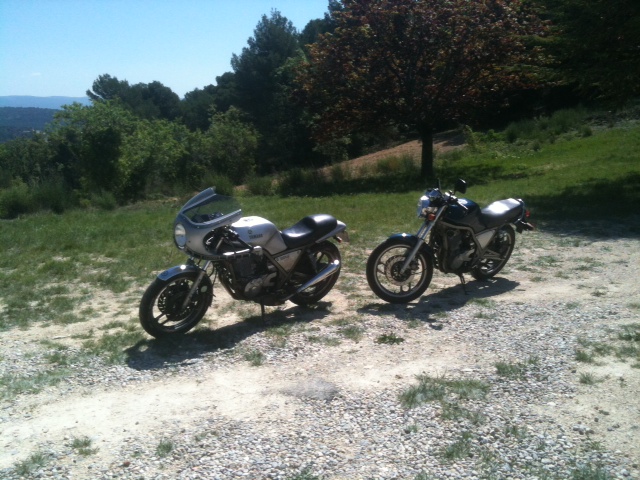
[216, 261]
[480, 250]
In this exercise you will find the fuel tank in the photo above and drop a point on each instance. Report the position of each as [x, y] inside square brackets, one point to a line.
[456, 215]
[260, 232]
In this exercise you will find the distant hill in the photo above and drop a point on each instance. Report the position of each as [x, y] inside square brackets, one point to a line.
[19, 122]
[25, 101]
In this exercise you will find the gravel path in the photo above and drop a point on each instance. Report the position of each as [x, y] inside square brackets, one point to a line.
[324, 401]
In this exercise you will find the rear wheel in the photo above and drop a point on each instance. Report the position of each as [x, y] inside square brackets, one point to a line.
[497, 254]
[163, 311]
[385, 275]
[320, 258]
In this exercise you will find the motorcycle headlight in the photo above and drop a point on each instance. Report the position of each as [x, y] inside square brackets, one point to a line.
[180, 235]
[425, 207]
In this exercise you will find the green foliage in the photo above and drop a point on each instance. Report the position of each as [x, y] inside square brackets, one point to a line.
[30, 465]
[595, 43]
[373, 71]
[232, 144]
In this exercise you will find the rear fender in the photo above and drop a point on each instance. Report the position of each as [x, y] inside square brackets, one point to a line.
[339, 232]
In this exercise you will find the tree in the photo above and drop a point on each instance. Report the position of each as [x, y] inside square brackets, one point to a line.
[263, 80]
[232, 143]
[597, 46]
[146, 100]
[415, 63]
[87, 143]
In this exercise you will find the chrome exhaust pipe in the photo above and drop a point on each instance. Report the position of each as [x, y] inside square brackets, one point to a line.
[329, 270]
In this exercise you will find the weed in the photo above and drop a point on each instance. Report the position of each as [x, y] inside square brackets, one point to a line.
[352, 332]
[630, 333]
[305, 474]
[254, 357]
[13, 385]
[431, 389]
[389, 339]
[112, 346]
[324, 340]
[588, 379]
[515, 370]
[588, 472]
[30, 465]
[583, 356]
[459, 449]
[164, 448]
[83, 446]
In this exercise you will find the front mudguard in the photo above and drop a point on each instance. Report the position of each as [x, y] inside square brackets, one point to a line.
[177, 270]
[411, 240]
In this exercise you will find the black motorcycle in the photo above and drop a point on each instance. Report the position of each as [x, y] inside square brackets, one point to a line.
[249, 256]
[457, 236]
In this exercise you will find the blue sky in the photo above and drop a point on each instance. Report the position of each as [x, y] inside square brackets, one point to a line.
[59, 47]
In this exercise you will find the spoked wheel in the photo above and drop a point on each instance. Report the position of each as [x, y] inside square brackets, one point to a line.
[497, 255]
[163, 311]
[385, 275]
[321, 257]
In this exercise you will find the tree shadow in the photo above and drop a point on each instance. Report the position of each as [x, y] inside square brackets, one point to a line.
[597, 208]
[429, 309]
[155, 354]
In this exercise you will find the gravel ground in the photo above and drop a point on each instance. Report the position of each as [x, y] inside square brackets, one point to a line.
[324, 402]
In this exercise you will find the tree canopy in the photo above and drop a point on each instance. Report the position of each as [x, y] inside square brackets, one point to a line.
[394, 62]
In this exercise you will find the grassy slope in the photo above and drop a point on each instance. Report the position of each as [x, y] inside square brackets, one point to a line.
[49, 263]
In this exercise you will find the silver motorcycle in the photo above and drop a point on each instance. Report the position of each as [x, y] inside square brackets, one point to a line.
[457, 236]
[251, 258]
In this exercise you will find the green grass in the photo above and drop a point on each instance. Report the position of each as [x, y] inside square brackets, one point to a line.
[70, 257]
[441, 389]
[30, 465]
[164, 448]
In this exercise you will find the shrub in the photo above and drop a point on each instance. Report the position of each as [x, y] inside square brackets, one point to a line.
[260, 186]
[16, 200]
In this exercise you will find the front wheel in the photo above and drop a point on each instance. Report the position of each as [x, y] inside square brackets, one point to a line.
[163, 311]
[497, 254]
[385, 275]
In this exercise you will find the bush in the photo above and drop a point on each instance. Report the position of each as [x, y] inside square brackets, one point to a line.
[222, 184]
[53, 195]
[16, 200]
[260, 186]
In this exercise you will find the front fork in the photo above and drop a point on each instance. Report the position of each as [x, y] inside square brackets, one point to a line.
[196, 284]
[422, 235]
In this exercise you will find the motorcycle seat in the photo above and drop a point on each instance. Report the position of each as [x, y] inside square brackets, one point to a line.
[500, 212]
[308, 229]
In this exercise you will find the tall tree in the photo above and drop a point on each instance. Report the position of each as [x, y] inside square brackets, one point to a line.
[597, 45]
[263, 79]
[416, 63]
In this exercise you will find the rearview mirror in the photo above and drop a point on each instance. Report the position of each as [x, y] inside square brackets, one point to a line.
[461, 186]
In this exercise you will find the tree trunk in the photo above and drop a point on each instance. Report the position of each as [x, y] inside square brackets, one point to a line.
[426, 165]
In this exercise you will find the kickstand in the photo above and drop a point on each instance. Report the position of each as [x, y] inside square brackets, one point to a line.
[464, 283]
[262, 310]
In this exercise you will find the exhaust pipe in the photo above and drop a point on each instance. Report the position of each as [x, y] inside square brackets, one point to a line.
[329, 270]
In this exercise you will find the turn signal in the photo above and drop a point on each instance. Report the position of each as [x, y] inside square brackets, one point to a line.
[431, 217]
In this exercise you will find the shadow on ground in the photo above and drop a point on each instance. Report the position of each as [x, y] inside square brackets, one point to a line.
[153, 354]
[430, 307]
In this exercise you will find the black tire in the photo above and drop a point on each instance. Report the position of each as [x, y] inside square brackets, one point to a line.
[322, 255]
[383, 271]
[161, 312]
[497, 254]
